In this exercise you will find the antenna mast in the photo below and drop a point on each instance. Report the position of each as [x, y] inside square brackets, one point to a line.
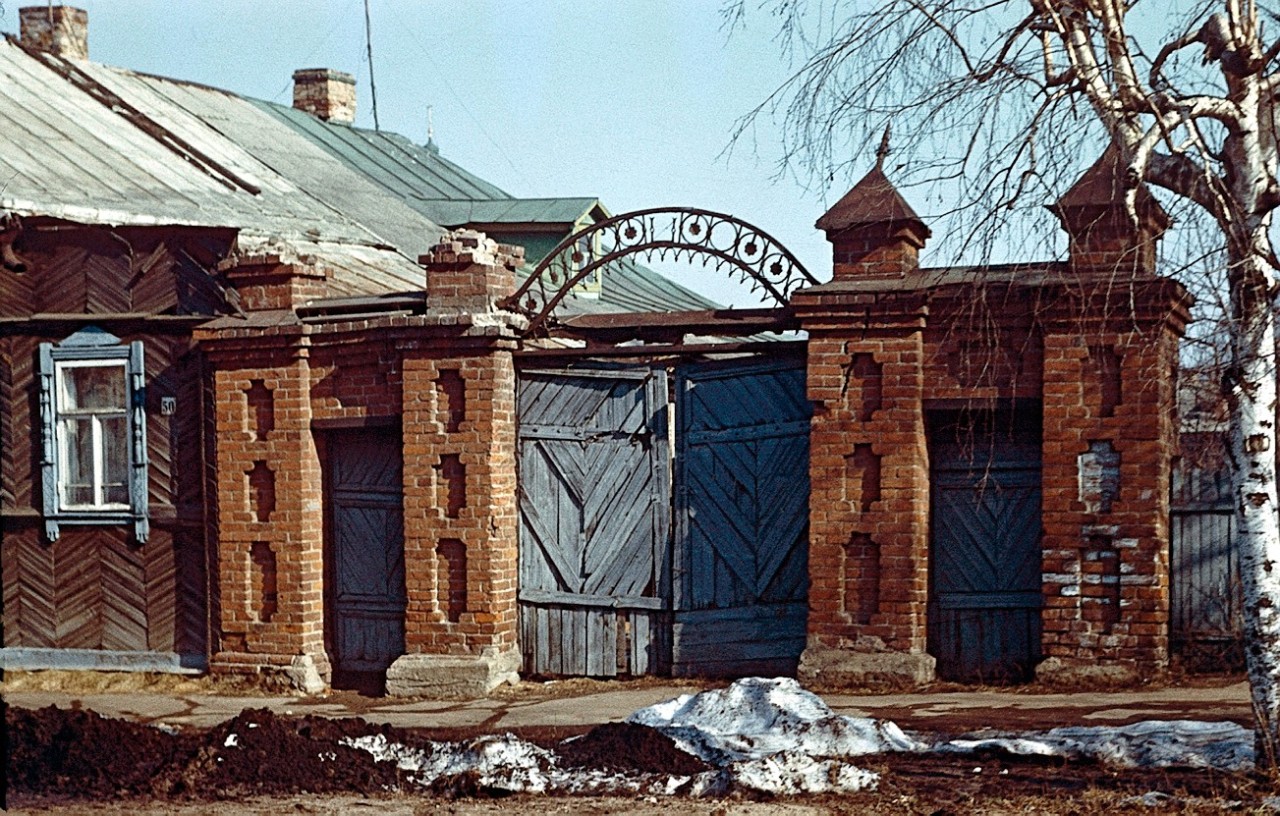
[368, 42]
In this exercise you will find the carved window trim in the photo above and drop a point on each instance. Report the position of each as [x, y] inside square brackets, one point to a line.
[92, 347]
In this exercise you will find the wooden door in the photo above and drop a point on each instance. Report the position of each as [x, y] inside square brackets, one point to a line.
[594, 521]
[366, 550]
[742, 514]
[985, 556]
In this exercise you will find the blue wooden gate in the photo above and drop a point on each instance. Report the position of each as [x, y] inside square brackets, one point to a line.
[985, 557]
[594, 521]
[608, 584]
[742, 519]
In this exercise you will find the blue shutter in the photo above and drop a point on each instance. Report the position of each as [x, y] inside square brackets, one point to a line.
[138, 442]
[48, 444]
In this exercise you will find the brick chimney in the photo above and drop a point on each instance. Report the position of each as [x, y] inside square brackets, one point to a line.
[1104, 240]
[60, 30]
[328, 95]
[873, 232]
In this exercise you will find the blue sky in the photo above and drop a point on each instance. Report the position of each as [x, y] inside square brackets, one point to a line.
[633, 102]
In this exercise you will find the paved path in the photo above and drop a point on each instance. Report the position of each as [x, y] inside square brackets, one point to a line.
[575, 707]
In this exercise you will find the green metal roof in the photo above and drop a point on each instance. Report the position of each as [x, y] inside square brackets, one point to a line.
[559, 211]
[452, 197]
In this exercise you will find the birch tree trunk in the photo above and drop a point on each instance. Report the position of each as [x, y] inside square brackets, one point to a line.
[1252, 399]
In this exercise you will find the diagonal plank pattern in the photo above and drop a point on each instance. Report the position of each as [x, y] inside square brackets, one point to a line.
[593, 521]
[985, 564]
[742, 518]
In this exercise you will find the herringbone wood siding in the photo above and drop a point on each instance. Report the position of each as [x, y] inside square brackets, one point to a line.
[95, 588]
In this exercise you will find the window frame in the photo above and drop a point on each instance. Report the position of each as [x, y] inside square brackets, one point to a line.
[92, 347]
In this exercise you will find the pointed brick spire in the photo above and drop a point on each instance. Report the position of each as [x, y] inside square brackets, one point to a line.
[1104, 238]
[873, 230]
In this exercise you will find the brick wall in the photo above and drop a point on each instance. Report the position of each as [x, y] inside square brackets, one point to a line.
[1093, 342]
[1109, 436]
[448, 379]
[269, 518]
[460, 501]
[868, 471]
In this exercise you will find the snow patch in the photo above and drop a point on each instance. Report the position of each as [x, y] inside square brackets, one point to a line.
[757, 717]
[1149, 744]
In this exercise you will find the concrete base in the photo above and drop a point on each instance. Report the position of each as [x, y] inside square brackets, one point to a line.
[26, 658]
[1057, 671]
[308, 674]
[452, 676]
[840, 668]
[305, 675]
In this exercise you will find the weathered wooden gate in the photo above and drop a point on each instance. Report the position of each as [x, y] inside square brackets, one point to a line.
[985, 559]
[608, 584]
[594, 521]
[742, 519]
[366, 550]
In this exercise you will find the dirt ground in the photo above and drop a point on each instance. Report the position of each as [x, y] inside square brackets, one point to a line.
[73, 762]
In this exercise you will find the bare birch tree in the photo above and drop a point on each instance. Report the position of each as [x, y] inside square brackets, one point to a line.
[999, 100]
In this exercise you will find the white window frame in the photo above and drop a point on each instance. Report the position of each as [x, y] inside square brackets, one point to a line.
[92, 347]
[61, 414]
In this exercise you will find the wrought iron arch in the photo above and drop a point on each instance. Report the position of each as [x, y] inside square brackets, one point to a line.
[750, 253]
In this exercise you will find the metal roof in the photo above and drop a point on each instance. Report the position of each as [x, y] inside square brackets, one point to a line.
[101, 145]
[550, 211]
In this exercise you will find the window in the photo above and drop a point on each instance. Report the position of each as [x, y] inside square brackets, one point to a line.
[94, 432]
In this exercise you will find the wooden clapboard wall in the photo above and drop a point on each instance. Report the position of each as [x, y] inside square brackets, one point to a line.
[95, 588]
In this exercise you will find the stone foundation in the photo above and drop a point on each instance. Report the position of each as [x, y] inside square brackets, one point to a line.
[450, 676]
[840, 668]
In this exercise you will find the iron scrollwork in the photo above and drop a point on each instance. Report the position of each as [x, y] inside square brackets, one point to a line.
[750, 254]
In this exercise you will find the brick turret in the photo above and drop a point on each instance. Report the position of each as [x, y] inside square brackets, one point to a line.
[1105, 239]
[873, 231]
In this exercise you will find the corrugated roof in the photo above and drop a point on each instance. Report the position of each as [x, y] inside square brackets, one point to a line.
[96, 144]
[104, 145]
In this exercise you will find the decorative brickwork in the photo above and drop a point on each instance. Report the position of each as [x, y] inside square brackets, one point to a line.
[270, 501]
[1087, 345]
[448, 379]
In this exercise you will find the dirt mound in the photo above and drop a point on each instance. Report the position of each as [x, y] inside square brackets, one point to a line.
[260, 753]
[79, 754]
[628, 747]
[60, 754]
[52, 750]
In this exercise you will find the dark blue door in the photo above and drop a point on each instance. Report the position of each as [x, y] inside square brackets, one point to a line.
[742, 518]
[366, 550]
[985, 557]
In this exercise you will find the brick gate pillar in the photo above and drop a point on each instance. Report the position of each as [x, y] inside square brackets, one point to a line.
[868, 517]
[1111, 335]
[269, 515]
[459, 427]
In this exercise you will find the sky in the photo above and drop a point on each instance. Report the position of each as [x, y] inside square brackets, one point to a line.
[633, 102]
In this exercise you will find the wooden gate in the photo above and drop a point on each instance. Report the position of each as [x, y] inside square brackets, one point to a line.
[985, 559]
[742, 511]
[366, 597]
[594, 522]
[607, 586]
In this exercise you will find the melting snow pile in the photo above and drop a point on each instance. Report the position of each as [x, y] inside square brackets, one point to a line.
[765, 735]
[773, 736]
[1151, 744]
